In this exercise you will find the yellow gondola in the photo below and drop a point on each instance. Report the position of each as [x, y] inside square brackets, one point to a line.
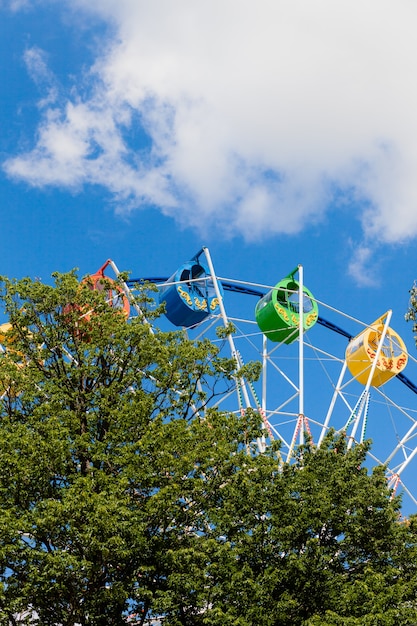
[7, 342]
[362, 351]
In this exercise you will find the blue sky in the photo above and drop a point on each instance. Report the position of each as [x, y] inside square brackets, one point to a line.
[274, 133]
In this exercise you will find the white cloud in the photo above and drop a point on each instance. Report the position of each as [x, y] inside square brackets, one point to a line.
[362, 266]
[37, 65]
[256, 113]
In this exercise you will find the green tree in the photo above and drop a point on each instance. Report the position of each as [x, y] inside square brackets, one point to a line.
[96, 439]
[122, 492]
[318, 543]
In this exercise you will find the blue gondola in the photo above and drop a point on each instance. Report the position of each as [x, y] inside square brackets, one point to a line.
[190, 297]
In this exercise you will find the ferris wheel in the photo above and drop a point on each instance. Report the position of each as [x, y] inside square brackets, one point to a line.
[321, 368]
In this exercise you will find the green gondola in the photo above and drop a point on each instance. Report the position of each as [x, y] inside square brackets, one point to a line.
[278, 312]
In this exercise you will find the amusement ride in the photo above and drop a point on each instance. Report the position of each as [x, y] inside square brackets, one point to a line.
[321, 369]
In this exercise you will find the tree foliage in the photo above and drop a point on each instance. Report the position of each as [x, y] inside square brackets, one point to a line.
[122, 493]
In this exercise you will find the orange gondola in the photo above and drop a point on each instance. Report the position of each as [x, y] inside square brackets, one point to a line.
[114, 294]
